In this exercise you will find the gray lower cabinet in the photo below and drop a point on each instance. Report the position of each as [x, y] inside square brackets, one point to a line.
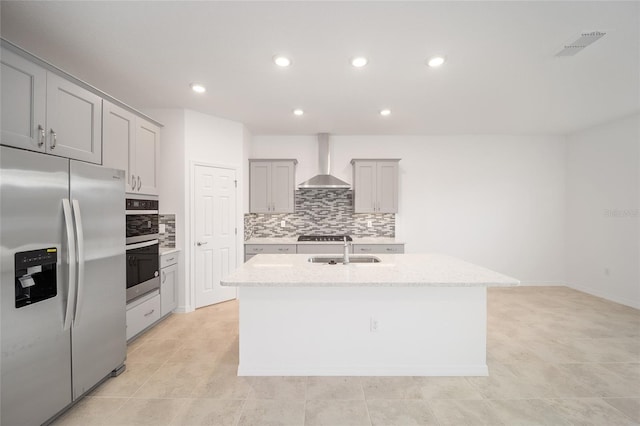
[251, 250]
[169, 282]
[378, 248]
[142, 313]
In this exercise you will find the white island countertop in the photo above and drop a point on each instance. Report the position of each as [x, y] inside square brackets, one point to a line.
[394, 270]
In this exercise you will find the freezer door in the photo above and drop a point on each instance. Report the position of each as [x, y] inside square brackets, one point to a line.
[36, 351]
[99, 326]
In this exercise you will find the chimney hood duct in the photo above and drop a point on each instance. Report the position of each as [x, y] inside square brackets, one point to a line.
[324, 179]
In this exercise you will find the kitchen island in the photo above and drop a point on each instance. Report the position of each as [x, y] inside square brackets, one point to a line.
[407, 315]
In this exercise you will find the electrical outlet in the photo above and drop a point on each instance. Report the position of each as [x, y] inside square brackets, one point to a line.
[374, 325]
[283, 224]
[369, 224]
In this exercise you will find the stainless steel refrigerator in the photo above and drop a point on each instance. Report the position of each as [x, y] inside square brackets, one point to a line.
[62, 298]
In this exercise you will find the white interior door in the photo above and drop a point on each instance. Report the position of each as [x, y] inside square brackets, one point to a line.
[214, 233]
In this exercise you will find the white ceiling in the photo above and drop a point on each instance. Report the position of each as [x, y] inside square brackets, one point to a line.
[501, 75]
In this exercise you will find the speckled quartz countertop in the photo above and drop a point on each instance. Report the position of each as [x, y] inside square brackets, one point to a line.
[394, 270]
[294, 240]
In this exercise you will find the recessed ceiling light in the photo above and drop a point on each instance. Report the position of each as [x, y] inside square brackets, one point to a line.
[385, 112]
[359, 61]
[298, 111]
[436, 61]
[198, 88]
[281, 61]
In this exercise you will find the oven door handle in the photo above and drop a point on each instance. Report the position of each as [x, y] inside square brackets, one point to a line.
[141, 245]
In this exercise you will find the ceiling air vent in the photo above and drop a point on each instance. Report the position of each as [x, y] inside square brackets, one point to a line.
[583, 40]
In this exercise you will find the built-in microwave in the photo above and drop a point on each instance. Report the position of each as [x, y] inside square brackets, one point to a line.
[143, 247]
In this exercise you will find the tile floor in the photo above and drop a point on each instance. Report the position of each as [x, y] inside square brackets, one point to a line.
[556, 357]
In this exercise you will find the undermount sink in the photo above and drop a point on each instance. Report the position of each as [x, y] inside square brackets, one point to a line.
[334, 260]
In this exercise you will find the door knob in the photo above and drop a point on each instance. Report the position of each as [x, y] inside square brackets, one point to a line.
[201, 244]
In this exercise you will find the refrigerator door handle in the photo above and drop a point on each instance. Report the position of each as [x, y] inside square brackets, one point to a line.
[71, 263]
[80, 241]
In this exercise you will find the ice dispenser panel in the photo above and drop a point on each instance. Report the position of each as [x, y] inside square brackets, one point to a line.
[35, 276]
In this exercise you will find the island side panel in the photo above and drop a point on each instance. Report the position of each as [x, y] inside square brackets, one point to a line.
[331, 331]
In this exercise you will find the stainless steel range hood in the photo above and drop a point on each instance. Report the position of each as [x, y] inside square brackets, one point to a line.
[324, 179]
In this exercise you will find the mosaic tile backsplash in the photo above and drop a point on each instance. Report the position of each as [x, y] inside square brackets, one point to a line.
[168, 237]
[320, 212]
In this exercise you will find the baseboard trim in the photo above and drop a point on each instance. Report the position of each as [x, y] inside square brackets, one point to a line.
[359, 370]
[612, 298]
[542, 284]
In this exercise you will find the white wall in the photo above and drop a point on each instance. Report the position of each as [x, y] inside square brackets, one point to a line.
[493, 200]
[603, 224]
[218, 142]
[188, 137]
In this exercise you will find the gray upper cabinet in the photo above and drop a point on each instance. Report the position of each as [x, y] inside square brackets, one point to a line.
[375, 185]
[24, 98]
[44, 112]
[146, 157]
[131, 144]
[118, 127]
[271, 186]
[74, 121]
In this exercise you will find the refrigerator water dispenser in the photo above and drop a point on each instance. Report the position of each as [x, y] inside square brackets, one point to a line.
[35, 276]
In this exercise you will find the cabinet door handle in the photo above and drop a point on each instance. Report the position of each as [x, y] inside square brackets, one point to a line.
[54, 139]
[149, 313]
[139, 183]
[389, 249]
[258, 249]
[41, 135]
[200, 243]
[283, 249]
[164, 277]
[170, 259]
[133, 182]
[365, 249]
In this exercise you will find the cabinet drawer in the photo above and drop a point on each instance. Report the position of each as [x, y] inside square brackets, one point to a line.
[168, 259]
[321, 248]
[142, 316]
[270, 249]
[378, 248]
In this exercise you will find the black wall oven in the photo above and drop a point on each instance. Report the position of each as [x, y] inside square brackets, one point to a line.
[142, 247]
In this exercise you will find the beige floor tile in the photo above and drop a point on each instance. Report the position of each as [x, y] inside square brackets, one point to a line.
[503, 382]
[451, 412]
[174, 380]
[336, 413]
[446, 388]
[208, 412]
[400, 412]
[590, 411]
[553, 353]
[628, 406]
[147, 412]
[154, 350]
[90, 412]
[290, 388]
[390, 388]
[257, 412]
[606, 380]
[534, 412]
[126, 384]
[224, 384]
[345, 388]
